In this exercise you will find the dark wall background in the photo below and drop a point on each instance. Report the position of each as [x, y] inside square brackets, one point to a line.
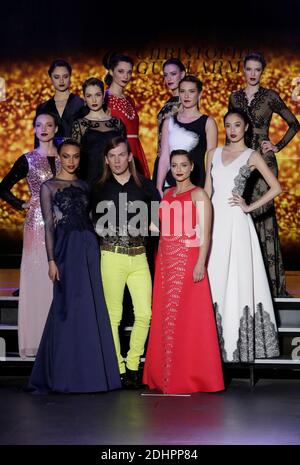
[32, 28]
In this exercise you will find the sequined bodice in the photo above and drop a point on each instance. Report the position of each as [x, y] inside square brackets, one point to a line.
[39, 171]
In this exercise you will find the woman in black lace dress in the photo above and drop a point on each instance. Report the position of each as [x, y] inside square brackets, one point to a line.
[77, 351]
[259, 104]
[95, 130]
[174, 71]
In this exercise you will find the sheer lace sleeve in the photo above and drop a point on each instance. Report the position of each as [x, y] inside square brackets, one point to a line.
[231, 103]
[18, 171]
[47, 211]
[279, 107]
[76, 131]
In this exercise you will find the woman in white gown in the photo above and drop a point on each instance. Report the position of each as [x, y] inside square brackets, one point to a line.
[240, 290]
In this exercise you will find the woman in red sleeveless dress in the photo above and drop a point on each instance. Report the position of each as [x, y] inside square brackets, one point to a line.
[183, 353]
[123, 107]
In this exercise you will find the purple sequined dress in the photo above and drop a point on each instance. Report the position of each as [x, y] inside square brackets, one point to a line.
[36, 289]
[35, 286]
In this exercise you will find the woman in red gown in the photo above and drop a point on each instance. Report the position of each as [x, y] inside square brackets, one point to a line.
[123, 107]
[183, 353]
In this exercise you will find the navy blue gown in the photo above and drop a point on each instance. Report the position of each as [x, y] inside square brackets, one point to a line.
[76, 353]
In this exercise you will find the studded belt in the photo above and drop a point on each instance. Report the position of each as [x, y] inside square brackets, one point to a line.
[124, 250]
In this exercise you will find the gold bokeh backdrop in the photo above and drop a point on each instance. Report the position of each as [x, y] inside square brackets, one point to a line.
[25, 84]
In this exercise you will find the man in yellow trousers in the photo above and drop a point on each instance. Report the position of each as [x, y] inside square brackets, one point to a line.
[122, 202]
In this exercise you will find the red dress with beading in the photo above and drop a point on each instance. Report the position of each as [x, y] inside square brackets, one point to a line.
[124, 109]
[183, 354]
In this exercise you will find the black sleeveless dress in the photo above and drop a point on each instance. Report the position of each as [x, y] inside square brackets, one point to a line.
[198, 152]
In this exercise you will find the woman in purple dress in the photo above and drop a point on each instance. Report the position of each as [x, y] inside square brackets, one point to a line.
[35, 289]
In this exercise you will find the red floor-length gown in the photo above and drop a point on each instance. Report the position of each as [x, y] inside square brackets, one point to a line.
[124, 109]
[183, 354]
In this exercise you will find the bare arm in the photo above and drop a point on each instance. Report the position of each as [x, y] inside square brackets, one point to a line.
[211, 130]
[208, 183]
[204, 218]
[258, 162]
[164, 159]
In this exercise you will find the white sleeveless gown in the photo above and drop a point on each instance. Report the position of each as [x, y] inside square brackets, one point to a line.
[240, 290]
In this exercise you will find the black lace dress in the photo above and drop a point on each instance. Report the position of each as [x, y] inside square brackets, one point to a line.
[191, 137]
[93, 136]
[77, 352]
[264, 103]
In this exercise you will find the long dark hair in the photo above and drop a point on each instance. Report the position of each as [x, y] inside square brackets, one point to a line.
[256, 56]
[247, 121]
[193, 79]
[175, 62]
[59, 62]
[93, 81]
[45, 112]
[112, 144]
[68, 141]
[181, 152]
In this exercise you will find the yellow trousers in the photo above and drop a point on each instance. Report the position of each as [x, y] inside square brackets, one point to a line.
[118, 270]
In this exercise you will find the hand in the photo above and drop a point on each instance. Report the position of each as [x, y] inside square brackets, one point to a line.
[267, 146]
[161, 193]
[32, 202]
[199, 272]
[26, 205]
[53, 272]
[238, 201]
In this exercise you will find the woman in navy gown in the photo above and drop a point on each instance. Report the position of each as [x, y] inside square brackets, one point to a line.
[76, 353]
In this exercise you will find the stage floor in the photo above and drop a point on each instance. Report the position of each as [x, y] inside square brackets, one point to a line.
[9, 281]
[266, 415]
